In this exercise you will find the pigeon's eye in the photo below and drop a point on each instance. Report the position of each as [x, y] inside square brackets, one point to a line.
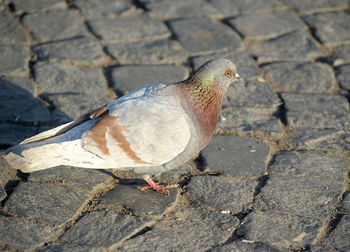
[228, 73]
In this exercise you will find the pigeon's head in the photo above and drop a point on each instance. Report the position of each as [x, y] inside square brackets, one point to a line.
[221, 71]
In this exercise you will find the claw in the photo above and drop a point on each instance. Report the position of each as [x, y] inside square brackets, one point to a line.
[157, 186]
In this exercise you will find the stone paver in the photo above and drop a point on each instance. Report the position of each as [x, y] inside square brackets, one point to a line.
[300, 77]
[57, 79]
[14, 60]
[281, 230]
[142, 75]
[235, 7]
[225, 194]
[104, 8]
[275, 176]
[300, 195]
[43, 25]
[323, 140]
[345, 206]
[266, 25]
[201, 35]
[104, 229]
[44, 202]
[341, 55]
[83, 50]
[343, 73]
[130, 28]
[32, 6]
[28, 235]
[139, 202]
[338, 237]
[316, 111]
[248, 246]
[253, 108]
[297, 45]
[310, 164]
[317, 6]
[73, 177]
[183, 8]
[190, 229]
[10, 31]
[153, 52]
[237, 156]
[19, 105]
[332, 28]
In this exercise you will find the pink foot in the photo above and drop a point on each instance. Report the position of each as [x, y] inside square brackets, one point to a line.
[157, 186]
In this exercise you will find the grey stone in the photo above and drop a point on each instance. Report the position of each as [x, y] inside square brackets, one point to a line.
[153, 52]
[7, 173]
[23, 84]
[280, 230]
[104, 229]
[142, 203]
[310, 164]
[44, 202]
[201, 35]
[343, 76]
[256, 95]
[82, 50]
[31, 6]
[237, 156]
[251, 109]
[310, 6]
[18, 105]
[125, 82]
[332, 28]
[183, 8]
[339, 237]
[3, 193]
[132, 28]
[105, 8]
[64, 247]
[341, 55]
[245, 120]
[44, 27]
[299, 195]
[266, 25]
[80, 179]
[235, 7]
[10, 31]
[65, 80]
[14, 134]
[223, 193]
[247, 246]
[316, 111]
[300, 77]
[70, 106]
[323, 140]
[345, 205]
[14, 60]
[190, 229]
[19, 234]
[245, 64]
[297, 45]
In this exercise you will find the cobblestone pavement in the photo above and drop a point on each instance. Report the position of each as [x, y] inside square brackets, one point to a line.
[275, 177]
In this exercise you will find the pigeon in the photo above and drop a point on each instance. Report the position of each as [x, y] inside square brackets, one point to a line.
[151, 130]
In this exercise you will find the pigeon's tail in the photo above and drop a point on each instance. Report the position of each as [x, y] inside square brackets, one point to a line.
[35, 156]
[32, 157]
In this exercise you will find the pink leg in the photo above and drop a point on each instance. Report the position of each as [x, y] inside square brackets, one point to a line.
[156, 186]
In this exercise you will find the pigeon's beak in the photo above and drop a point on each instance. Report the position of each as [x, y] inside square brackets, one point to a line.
[237, 77]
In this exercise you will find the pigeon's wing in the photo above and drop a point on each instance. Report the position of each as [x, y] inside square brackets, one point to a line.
[145, 130]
